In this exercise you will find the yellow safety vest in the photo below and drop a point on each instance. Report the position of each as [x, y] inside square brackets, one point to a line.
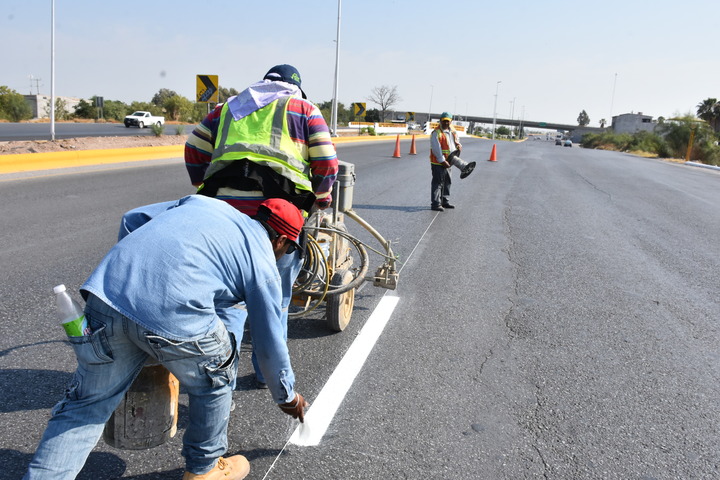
[263, 138]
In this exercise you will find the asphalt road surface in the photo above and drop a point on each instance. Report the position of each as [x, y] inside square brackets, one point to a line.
[41, 131]
[560, 323]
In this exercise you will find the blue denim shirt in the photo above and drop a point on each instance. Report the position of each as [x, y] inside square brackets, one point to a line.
[184, 267]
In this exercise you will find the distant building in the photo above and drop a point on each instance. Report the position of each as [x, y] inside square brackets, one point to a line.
[40, 104]
[632, 123]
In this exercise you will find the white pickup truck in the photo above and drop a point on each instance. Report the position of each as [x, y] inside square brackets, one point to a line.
[143, 119]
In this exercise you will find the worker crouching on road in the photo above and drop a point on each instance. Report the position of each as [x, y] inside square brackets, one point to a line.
[445, 151]
[169, 296]
[268, 141]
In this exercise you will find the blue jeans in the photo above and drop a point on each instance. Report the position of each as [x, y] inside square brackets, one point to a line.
[289, 267]
[108, 361]
[440, 186]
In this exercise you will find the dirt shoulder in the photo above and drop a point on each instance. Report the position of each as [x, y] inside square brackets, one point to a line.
[89, 143]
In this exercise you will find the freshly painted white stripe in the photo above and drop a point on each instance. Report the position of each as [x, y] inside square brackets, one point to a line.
[322, 410]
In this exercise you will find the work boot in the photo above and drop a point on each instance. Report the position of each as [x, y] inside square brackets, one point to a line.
[467, 170]
[236, 467]
[437, 208]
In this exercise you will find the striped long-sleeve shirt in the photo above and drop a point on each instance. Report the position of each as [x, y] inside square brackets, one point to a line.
[309, 132]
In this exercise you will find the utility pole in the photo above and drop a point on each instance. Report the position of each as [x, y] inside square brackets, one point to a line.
[36, 81]
[497, 86]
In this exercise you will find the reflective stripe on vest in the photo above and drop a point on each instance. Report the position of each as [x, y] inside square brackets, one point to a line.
[249, 138]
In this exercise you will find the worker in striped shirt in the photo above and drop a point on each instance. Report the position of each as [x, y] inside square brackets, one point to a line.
[268, 141]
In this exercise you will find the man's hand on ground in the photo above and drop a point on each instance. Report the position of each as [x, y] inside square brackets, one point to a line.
[296, 408]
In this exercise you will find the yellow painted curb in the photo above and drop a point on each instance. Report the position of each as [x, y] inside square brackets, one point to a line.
[27, 162]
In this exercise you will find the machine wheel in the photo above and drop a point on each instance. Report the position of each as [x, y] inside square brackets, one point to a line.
[141, 125]
[339, 307]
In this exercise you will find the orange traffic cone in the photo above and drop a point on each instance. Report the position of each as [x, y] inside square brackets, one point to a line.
[493, 154]
[397, 148]
[412, 146]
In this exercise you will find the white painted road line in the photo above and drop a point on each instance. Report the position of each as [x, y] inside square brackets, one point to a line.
[322, 410]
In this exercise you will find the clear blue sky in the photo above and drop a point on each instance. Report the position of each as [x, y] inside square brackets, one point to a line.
[553, 58]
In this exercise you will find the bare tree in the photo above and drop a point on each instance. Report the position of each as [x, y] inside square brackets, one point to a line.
[386, 97]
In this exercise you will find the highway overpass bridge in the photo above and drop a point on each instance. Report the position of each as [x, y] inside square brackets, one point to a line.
[574, 131]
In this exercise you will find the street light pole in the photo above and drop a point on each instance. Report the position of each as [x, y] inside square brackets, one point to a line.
[333, 115]
[512, 111]
[432, 87]
[612, 99]
[52, 72]
[497, 86]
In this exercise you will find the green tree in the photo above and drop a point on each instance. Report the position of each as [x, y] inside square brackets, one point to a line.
[344, 115]
[13, 106]
[709, 110]
[372, 115]
[199, 111]
[502, 130]
[162, 96]
[115, 110]
[225, 93]
[178, 108]
[676, 134]
[61, 111]
[583, 119]
[85, 109]
[602, 123]
[146, 107]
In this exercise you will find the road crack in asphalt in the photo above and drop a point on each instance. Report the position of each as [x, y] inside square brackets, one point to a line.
[517, 331]
[595, 187]
[509, 248]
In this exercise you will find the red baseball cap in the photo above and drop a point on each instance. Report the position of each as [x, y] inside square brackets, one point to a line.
[283, 217]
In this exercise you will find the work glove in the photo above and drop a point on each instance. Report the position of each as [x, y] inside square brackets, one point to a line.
[296, 408]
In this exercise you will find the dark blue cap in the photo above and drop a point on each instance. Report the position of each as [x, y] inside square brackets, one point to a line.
[284, 73]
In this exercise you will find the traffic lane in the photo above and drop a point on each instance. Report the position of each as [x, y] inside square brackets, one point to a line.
[41, 131]
[385, 204]
[63, 225]
[411, 413]
[56, 229]
[595, 370]
[631, 375]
